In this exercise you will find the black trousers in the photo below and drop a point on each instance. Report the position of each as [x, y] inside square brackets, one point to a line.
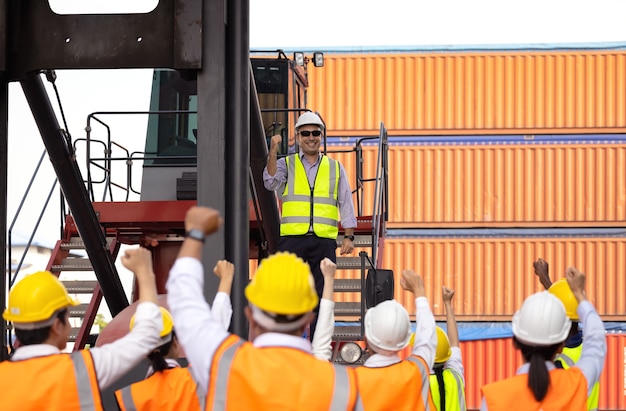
[313, 250]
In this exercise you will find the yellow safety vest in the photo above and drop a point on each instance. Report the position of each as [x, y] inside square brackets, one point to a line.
[455, 391]
[305, 207]
[568, 358]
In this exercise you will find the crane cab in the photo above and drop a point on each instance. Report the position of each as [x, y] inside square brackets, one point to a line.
[172, 132]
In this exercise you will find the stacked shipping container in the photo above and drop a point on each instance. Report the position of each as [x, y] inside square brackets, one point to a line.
[518, 155]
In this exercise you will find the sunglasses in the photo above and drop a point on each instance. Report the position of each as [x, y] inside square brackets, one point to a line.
[306, 133]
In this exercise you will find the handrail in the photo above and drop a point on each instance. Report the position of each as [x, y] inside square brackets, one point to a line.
[108, 158]
[380, 214]
[11, 279]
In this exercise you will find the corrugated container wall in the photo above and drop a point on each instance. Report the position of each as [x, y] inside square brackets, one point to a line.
[498, 185]
[520, 92]
[493, 276]
[486, 361]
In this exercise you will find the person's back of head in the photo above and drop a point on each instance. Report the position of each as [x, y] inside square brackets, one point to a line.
[540, 327]
[282, 294]
[387, 327]
[168, 335]
[35, 303]
[444, 351]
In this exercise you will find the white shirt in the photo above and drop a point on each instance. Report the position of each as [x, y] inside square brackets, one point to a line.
[222, 309]
[199, 332]
[115, 359]
[425, 342]
[323, 336]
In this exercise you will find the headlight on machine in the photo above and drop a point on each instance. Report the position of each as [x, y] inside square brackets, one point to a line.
[350, 352]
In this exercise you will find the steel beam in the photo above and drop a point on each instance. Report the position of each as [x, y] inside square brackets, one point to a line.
[211, 139]
[71, 182]
[168, 36]
[238, 154]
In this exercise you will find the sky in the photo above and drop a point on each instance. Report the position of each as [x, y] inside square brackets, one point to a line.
[288, 24]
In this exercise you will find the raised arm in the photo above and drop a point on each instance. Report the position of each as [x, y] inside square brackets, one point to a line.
[425, 333]
[271, 161]
[114, 360]
[542, 271]
[199, 333]
[453, 330]
[222, 308]
[591, 360]
[323, 336]
[455, 362]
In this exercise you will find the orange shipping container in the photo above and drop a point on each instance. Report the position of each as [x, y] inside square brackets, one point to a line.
[483, 92]
[498, 185]
[493, 276]
[491, 360]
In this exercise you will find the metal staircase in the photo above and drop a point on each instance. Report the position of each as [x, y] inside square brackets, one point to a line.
[69, 258]
[351, 276]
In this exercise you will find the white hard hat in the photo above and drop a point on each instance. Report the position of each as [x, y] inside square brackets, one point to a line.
[541, 321]
[387, 326]
[309, 117]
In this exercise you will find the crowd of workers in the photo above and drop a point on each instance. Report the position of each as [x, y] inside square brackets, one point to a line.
[278, 369]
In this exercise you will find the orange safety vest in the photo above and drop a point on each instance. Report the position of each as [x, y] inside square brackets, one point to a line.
[54, 382]
[567, 392]
[401, 386]
[171, 389]
[245, 377]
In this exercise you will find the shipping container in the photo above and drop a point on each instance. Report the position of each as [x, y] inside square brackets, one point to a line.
[481, 92]
[487, 184]
[486, 361]
[492, 276]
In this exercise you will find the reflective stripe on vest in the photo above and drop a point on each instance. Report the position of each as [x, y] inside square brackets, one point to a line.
[568, 359]
[83, 382]
[223, 370]
[201, 396]
[341, 392]
[425, 386]
[425, 380]
[454, 403]
[304, 207]
[127, 399]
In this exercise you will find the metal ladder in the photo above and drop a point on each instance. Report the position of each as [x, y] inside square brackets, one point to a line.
[64, 260]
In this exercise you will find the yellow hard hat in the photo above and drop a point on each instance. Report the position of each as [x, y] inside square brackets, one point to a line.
[168, 322]
[36, 298]
[443, 347]
[283, 284]
[561, 290]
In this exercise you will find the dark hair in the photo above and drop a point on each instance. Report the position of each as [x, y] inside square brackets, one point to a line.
[442, 388]
[38, 335]
[157, 356]
[538, 375]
